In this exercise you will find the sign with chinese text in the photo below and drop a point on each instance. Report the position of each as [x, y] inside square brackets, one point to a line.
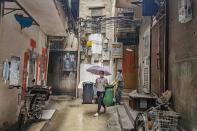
[117, 50]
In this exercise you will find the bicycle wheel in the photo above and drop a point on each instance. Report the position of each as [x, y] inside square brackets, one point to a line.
[38, 114]
[140, 122]
[21, 121]
[141, 127]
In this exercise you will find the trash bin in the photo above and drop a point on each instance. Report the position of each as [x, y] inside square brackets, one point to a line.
[88, 92]
[109, 95]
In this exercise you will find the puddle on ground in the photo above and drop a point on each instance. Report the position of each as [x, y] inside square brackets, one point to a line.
[89, 113]
[73, 106]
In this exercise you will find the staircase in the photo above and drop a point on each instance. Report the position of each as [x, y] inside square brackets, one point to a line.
[125, 114]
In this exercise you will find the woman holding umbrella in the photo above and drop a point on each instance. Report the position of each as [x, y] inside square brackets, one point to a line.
[101, 82]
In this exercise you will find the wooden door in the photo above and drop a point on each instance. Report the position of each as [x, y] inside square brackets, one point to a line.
[129, 68]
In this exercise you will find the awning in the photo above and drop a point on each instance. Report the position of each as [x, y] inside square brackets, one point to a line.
[46, 13]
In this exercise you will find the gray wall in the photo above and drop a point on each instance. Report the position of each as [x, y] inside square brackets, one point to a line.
[183, 65]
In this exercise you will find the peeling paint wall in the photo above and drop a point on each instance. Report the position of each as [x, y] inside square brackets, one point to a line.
[14, 42]
[183, 65]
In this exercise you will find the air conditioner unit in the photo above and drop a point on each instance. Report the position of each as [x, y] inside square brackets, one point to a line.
[185, 11]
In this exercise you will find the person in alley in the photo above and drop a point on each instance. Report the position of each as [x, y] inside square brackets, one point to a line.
[101, 82]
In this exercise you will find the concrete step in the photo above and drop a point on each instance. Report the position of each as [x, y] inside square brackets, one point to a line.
[127, 90]
[131, 113]
[125, 122]
[125, 96]
[113, 122]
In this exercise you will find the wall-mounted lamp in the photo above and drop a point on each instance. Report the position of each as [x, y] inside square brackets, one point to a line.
[130, 50]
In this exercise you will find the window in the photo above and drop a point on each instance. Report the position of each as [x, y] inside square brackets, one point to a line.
[95, 26]
[96, 12]
[185, 11]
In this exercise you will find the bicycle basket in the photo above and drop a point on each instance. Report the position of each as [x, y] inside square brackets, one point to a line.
[164, 120]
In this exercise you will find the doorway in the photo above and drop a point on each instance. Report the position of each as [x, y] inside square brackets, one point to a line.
[62, 72]
[129, 67]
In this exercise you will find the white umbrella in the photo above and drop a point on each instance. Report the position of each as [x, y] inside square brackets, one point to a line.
[97, 69]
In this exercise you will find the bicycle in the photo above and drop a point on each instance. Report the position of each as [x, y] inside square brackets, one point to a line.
[33, 105]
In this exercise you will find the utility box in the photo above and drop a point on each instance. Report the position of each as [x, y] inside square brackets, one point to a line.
[141, 101]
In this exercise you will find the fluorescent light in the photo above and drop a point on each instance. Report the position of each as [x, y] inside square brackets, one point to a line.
[130, 50]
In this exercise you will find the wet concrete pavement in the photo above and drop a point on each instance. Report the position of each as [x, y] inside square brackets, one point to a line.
[72, 115]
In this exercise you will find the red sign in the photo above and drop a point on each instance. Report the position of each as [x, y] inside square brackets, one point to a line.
[24, 75]
[33, 43]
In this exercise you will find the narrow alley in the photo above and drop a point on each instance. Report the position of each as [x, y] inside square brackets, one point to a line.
[98, 65]
[71, 115]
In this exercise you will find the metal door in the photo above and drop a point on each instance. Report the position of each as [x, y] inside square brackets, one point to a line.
[62, 72]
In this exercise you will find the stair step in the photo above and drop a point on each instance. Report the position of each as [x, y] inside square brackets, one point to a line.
[128, 90]
[113, 123]
[131, 113]
[125, 96]
[124, 119]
